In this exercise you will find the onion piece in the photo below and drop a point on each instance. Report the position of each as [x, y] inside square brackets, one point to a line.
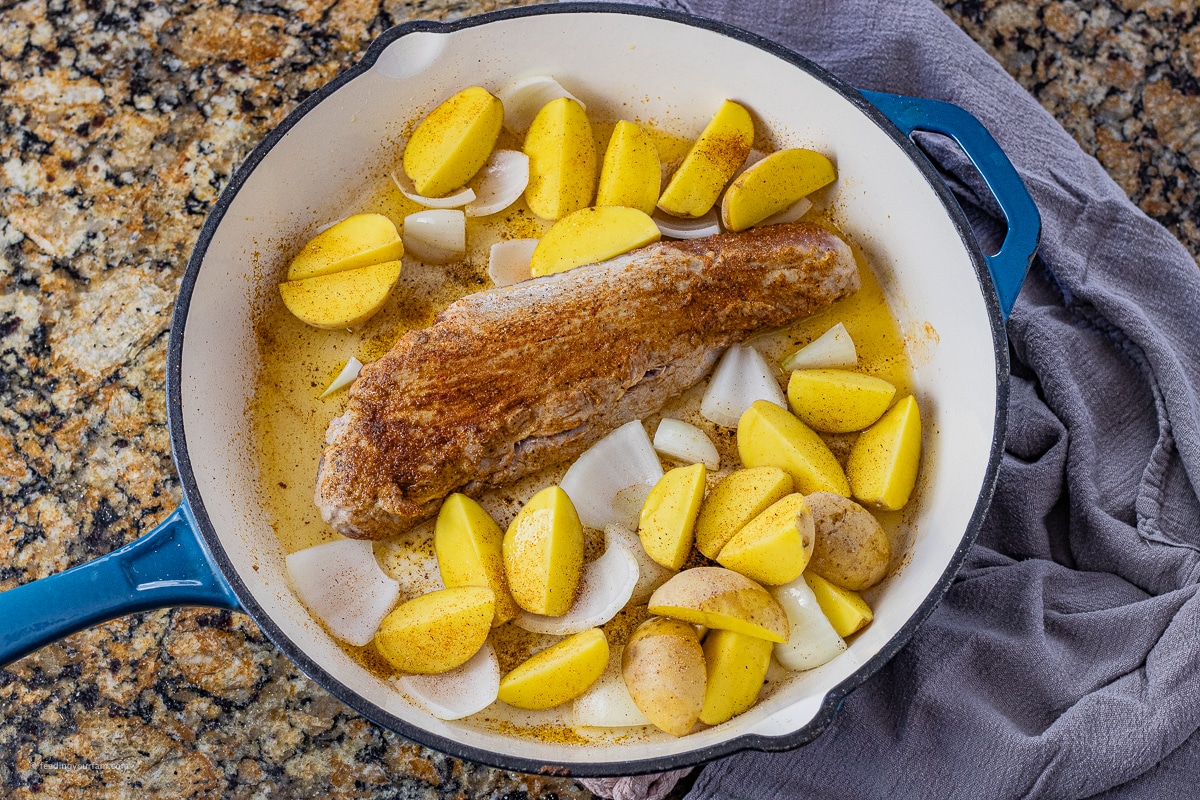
[790, 214]
[741, 377]
[651, 574]
[524, 98]
[460, 692]
[812, 641]
[680, 228]
[456, 200]
[623, 458]
[685, 442]
[627, 504]
[752, 158]
[501, 183]
[508, 261]
[344, 587]
[832, 349]
[436, 236]
[608, 704]
[344, 378]
[604, 589]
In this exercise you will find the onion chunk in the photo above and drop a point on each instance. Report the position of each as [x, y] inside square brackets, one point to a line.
[651, 574]
[508, 261]
[685, 442]
[680, 228]
[524, 97]
[436, 237]
[741, 377]
[501, 183]
[347, 376]
[460, 692]
[406, 187]
[812, 641]
[608, 704]
[622, 459]
[344, 587]
[832, 349]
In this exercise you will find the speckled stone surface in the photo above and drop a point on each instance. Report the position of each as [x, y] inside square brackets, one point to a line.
[120, 122]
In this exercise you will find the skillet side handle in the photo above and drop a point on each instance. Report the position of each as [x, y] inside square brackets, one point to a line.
[1008, 265]
[169, 566]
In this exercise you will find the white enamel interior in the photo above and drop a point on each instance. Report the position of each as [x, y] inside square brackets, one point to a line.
[620, 66]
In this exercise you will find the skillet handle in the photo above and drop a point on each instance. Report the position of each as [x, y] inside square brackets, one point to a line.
[1008, 265]
[169, 566]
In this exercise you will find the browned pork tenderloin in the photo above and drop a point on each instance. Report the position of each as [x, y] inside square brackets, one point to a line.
[511, 380]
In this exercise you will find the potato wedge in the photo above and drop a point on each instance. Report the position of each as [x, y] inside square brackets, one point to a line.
[851, 549]
[769, 436]
[467, 543]
[562, 160]
[710, 163]
[775, 546]
[735, 667]
[341, 299]
[630, 174]
[773, 184]
[357, 241]
[838, 400]
[720, 598]
[738, 498]
[663, 668]
[846, 611]
[668, 516]
[883, 462]
[558, 674]
[591, 235]
[543, 553]
[438, 631]
[453, 142]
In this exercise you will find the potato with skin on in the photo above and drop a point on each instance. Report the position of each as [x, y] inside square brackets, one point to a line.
[883, 461]
[774, 547]
[562, 160]
[838, 400]
[453, 142]
[543, 553]
[736, 666]
[467, 543]
[663, 668]
[846, 611]
[736, 499]
[558, 674]
[770, 436]
[591, 235]
[438, 631]
[341, 299]
[852, 549]
[720, 598]
[710, 163]
[773, 184]
[630, 174]
[361, 240]
[668, 517]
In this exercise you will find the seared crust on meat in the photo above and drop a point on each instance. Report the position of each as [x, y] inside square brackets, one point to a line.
[507, 381]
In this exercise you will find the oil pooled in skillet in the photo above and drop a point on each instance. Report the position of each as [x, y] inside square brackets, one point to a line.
[289, 420]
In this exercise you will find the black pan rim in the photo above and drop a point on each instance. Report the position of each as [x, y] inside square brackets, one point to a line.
[833, 699]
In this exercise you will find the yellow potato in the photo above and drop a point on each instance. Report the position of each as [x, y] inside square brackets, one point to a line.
[838, 400]
[851, 549]
[669, 515]
[710, 163]
[846, 611]
[720, 598]
[738, 498]
[882, 467]
[562, 160]
[591, 235]
[454, 142]
[630, 175]
[557, 674]
[543, 553]
[467, 542]
[774, 547]
[769, 436]
[358, 241]
[736, 666]
[437, 631]
[773, 184]
[663, 668]
[341, 299]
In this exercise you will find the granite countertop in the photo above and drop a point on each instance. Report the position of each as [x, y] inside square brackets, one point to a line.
[121, 122]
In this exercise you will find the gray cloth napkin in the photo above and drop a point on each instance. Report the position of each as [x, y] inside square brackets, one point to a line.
[1065, 660]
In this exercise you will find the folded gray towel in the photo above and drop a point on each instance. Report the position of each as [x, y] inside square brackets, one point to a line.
[1065, 661]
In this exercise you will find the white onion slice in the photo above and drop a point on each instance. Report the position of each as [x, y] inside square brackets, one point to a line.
[741, 377]
[456, 200]
[604, 589]
[651, 574]
[436, 236]
[607, 704]
[501, 183]
[508, 261]
[344, 378]
[790, 214]
[832, 349]
[460, 692]
[623, 458]
[627, 504]
[685, 442]
[524, 97]
[680, 228]
[344, 587]
[812, 641]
